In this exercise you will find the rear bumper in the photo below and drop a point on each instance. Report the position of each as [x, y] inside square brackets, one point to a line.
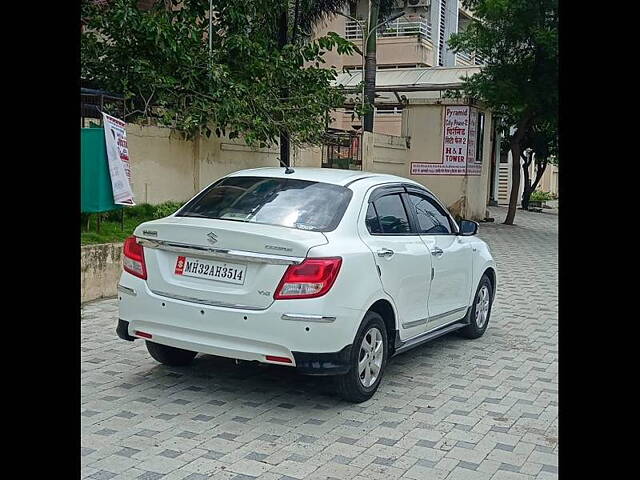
[336, 363]
[122, 330]
[313, 335]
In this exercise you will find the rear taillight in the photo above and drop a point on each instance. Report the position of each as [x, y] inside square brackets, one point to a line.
[312, 278]
[133, 261]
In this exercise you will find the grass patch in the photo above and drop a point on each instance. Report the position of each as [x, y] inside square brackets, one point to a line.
[111, 230]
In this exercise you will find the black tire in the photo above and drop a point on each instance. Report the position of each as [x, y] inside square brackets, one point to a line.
[172, 356]
[473, 330]
[349, 386]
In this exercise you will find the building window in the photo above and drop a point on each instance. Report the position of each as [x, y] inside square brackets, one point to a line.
[353, 9]
[479, 138]
[388, 110]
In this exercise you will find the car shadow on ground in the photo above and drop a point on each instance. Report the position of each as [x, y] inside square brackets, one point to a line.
[244, 381]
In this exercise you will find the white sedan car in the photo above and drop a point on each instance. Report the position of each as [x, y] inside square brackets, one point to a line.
[329, 271]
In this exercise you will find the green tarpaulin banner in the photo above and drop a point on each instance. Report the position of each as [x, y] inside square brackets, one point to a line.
[96, 194]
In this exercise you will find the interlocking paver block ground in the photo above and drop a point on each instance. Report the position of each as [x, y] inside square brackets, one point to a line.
[454, 408]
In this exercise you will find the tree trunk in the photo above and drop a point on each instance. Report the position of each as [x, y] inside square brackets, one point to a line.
[515, 181]
[284, 149]
[529, 188]
[282, 41]
[526, 196]
[514, 143]
[296, 14]
[370, 66]
[541, 166]
[526, 191]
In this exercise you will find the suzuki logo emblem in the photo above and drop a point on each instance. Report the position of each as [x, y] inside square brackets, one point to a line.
[212, 237]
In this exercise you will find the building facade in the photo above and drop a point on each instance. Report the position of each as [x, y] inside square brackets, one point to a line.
[417, 40]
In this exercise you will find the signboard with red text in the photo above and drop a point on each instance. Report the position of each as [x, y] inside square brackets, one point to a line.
[460, 130]
[474, 165]
[115, 135]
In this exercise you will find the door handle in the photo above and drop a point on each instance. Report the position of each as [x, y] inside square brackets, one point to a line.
[385, 252]
[437, 251]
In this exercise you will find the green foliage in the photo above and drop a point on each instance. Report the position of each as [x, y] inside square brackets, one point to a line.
[542, 138]
[143, 210]
[165, 209]
[519, 40]
[110, 231]
[160, 60]
[540, 196]
[111, 222]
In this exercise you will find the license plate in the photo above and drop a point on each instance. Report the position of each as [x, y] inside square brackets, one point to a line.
[211, 270]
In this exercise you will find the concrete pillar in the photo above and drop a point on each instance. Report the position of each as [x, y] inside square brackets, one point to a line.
[368, 151]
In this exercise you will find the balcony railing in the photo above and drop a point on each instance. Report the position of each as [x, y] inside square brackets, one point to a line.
[397, 28]
[464, 58]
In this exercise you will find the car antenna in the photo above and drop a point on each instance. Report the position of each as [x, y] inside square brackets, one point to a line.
[287, 168]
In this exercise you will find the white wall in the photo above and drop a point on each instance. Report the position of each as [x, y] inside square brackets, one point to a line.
[165, 166]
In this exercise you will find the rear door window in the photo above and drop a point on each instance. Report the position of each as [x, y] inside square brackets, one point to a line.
[371, 220]
[392, 216]
[293, 203]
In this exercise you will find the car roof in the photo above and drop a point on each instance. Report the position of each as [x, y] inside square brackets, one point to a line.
[326, 175]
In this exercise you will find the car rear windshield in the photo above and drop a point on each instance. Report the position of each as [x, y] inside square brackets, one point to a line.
[286, 202]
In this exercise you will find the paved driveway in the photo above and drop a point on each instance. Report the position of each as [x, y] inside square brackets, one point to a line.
[454, 408]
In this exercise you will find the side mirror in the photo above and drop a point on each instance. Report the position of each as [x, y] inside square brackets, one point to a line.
[468, 227]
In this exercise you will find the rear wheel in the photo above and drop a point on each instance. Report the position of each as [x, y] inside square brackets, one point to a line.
[172, 356]
[480, 310]
[368, 360]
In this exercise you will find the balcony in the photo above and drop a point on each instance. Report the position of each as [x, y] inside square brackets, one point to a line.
[469, 59]
[401, 43]
[397, 28]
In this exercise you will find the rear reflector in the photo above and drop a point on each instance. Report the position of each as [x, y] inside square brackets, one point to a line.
[271, 358]
[143, 334]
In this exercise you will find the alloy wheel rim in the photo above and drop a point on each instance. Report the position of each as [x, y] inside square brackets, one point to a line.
[370, 357]
[482, 306]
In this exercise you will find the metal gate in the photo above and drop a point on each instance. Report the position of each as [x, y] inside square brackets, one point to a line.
[342, 149]
[93, 102]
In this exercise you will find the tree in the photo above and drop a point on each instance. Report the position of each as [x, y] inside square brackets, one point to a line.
[377, 9]
[540, 146]
[305, 14]
[159, 59]
[302, 15]
[519, 40]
